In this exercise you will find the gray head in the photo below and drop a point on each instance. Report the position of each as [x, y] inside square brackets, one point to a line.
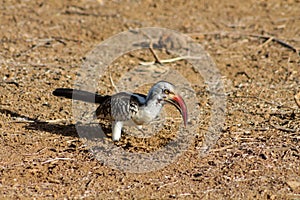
[165, 92]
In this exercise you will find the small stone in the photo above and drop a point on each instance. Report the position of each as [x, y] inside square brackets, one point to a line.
[11, 49]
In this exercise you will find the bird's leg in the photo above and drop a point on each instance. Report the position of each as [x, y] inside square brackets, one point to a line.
[116, 130]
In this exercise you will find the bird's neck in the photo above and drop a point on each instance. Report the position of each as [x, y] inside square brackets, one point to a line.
[149, 110]
[152, 106]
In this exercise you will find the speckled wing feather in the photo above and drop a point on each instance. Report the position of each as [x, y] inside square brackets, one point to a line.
[120, 107]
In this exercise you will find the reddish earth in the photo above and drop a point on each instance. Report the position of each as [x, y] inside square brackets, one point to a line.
[257, 155]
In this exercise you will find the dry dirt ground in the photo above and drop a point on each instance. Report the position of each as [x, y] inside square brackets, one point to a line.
[257, 155]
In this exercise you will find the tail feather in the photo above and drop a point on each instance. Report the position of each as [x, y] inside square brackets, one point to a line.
[79, 95]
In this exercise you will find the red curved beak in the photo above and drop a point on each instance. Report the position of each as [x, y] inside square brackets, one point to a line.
[179, 103]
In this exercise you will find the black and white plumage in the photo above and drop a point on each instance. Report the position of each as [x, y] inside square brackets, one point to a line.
[129, 108]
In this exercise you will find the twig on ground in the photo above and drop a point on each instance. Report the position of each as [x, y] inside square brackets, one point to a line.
[36, 153]
[63, 39]
[266, 42]
[184, 194]
[22, 120]
[170, 60]
[166, 184]
[55, 159]
[223, 148]
[265, 37]
[157, 60]
[80, 13]
[271, 38]
[113, 84]
[281, 128]
[10, 82]
[54, 121]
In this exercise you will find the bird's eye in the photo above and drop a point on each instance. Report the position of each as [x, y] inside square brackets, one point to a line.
[167, 91]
